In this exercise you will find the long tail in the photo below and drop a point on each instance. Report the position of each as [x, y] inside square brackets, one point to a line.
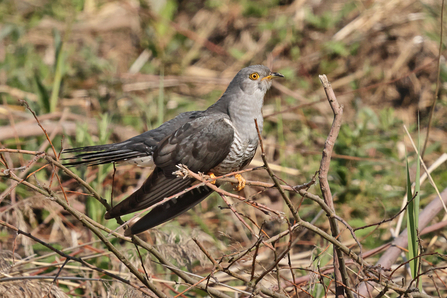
[169, 210]
[156, 187]
[103, 154]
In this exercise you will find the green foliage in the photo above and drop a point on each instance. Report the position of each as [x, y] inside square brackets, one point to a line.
[213, 4]
[43, 94]
[328, 19]
[237, 54]
[443, 74]
[60, 9]
[320, 259]
[413, 216]
[336, 48]
[159, 34]
[323, 21]
[369, 136]
[288, 72]
[58, 70]
[318, 291]
[370, 237]
[258, 8]
[166, 12]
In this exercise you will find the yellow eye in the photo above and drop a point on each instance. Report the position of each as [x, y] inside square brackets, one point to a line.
[254, 76]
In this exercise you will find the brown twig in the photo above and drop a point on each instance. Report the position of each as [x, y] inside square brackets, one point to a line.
[275, 180]
[388, 258]
[388, 219]
[184, 171]
[236, 275]
[239, 217]
[69, 257]
[40, 125]
[259, 183]
[337, 109]
[77, 178]
[93, 227]
[255, 255]
[176, 270]
[20, 151]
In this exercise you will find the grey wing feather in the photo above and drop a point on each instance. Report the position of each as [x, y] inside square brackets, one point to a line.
[139, 146]
[200, 145]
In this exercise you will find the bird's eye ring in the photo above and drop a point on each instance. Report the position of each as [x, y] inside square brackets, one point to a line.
[254, 76]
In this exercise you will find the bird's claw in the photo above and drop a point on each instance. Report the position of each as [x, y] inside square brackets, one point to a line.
[240, 182]
[212, 176]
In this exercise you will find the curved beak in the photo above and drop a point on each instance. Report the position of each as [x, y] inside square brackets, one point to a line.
[272, 76]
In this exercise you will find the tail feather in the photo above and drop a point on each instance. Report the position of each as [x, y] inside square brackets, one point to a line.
[102, 154]
[92, 148]
[169, 210]
[155, 189]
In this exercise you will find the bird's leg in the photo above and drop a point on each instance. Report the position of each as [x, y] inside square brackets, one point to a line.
[240, 182]
[212, 176]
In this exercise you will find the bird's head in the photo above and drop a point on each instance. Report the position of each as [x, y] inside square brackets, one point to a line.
[254, 79]
[246, 90]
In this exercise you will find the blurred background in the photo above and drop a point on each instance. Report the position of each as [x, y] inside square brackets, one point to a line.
[99, 72]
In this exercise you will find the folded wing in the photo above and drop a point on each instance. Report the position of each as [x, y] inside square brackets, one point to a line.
[200, 145]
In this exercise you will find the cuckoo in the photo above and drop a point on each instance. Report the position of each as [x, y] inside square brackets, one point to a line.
[219, 140]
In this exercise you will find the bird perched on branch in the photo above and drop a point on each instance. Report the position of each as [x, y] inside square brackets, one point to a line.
[220, 140]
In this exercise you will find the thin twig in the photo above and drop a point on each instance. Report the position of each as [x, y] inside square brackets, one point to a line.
[337, 109]
[88, 223]
[68, 257]
[183, 275]
[40, 125]
[183, 170]
[272, 175]
[240, 277]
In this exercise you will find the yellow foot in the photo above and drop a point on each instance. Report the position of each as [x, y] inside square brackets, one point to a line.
[241, 182]
[212, 176]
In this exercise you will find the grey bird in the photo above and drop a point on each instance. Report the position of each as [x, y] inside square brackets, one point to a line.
[220, 140]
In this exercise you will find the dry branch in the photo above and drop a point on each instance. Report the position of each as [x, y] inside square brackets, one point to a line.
[337, 109]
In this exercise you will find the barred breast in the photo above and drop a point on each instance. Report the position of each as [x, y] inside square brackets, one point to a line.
[240, 155]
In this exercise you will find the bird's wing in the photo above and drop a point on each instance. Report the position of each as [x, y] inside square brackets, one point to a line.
[138, 147]
[201, 145]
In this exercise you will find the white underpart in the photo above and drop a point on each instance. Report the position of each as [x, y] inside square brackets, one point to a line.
[240, 152]
[143, 161]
